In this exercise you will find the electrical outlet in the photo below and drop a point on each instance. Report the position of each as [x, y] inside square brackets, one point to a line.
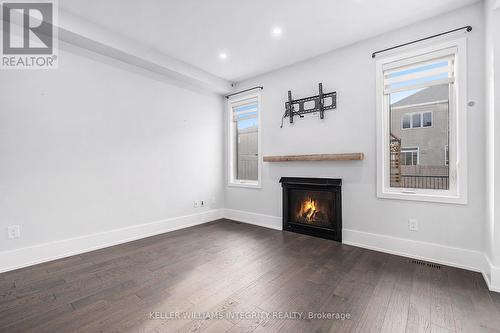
[13, 231]
[413, 224]
[196, 204]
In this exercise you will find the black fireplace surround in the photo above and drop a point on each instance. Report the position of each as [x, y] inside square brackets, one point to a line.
[313, 206]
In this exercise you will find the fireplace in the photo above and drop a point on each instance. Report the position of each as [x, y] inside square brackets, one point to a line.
[313, 206]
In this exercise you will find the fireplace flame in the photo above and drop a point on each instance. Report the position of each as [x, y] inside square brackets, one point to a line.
[309, 207]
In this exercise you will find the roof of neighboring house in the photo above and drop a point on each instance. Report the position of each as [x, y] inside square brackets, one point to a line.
[427, 95]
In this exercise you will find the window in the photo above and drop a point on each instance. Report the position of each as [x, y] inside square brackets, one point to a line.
[409, 156]
[244, 141]
[422, 89]
[427, 119]
[406, 121]
[417, 120]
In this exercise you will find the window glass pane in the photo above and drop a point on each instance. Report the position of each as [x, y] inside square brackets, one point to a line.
[406, 121]
[427, 119]
[415, 121]
[421, 168]
[409, 156]
[414, 158]
[246, 136]
[408, 159]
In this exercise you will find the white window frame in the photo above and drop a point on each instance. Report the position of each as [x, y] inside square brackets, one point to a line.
[411, 149]
[457, 192]
[231, 179]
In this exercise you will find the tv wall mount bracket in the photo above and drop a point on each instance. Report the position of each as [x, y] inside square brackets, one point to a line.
[299, 107]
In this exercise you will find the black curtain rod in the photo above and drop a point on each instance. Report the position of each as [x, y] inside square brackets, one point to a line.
[240, 92]
[468, 27]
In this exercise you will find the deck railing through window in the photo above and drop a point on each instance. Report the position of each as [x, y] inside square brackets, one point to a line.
[426, 182]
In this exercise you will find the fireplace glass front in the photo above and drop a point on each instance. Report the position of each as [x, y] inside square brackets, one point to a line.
[313, 206]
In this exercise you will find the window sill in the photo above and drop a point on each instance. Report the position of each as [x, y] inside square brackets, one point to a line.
[426, 197]
[255, 185]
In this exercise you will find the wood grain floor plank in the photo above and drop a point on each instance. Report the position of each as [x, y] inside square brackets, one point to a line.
[398, 308]
[419, 312]
[485, 309]
[441, 305]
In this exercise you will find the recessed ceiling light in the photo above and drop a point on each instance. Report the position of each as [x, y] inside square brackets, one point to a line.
[223, 55]
[277, 32]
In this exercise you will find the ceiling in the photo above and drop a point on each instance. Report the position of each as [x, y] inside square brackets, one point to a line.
[197, 31]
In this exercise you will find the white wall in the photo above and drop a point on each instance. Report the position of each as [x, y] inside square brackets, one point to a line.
[496, 36]
[492, 71]
[98, 145]
[351, 128]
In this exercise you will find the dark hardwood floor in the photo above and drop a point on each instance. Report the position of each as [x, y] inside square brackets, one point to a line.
[242, 278]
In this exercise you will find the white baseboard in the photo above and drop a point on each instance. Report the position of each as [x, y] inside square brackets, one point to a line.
[445, 255]
[492, 275]
[494, 283]
[267, 221]
[27, 256]
[440, 254]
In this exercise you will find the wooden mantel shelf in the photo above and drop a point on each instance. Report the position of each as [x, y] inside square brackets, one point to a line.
[316, 157]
